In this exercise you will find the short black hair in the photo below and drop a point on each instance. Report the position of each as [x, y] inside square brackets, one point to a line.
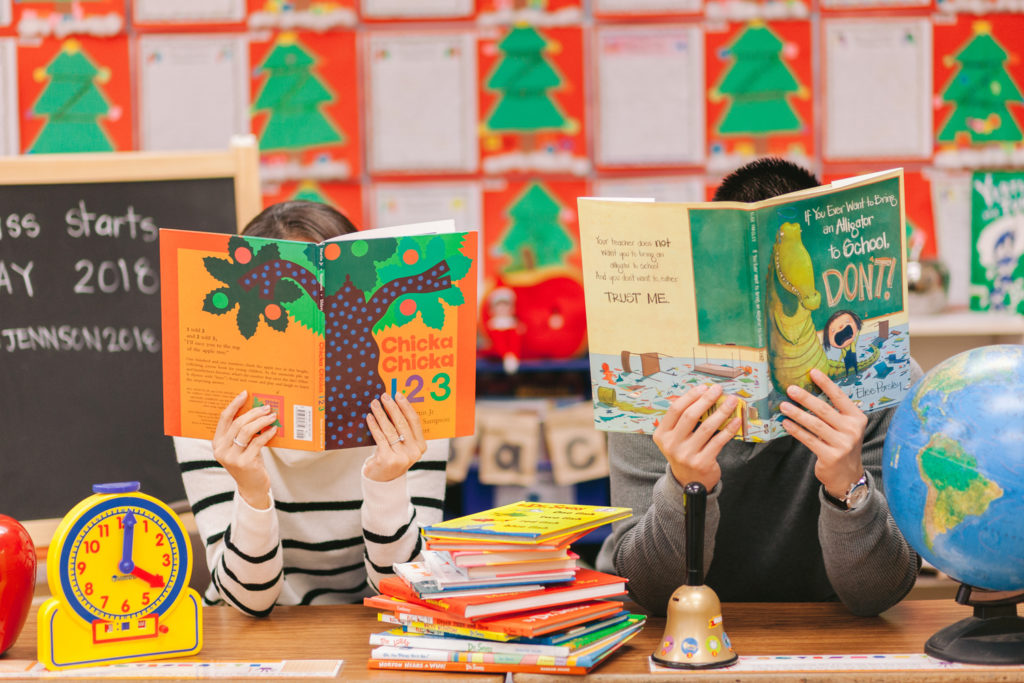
[825, 336]
[299, 219]
[762, 179]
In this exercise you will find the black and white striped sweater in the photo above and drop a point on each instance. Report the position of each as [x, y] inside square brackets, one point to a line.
[329, 534]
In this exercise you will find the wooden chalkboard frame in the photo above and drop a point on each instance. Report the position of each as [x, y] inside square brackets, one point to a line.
[43, 482]
[239, 162]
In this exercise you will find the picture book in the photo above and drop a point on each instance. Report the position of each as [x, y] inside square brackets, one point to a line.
[747, 296]
[997, 236]
[526, 521]
[320, 330]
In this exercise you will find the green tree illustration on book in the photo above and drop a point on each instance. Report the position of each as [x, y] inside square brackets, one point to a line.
[758, 85]
[980, 90]
[383, 282]
[72, 104]
[293, 96]
[524, 78]
[535, 237]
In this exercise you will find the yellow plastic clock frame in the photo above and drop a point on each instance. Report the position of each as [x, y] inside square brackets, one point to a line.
[118, 569]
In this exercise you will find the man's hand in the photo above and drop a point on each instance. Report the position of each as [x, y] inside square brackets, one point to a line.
[834, 433]
[692, 450]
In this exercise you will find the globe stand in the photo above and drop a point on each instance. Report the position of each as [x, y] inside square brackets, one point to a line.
[994, 635]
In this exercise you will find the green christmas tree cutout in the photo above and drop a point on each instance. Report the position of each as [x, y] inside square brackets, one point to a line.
[310, 192]
[524, 78]
[758, 85]
[979, 91]
[535, 237]
[72, 104]
[293, 96]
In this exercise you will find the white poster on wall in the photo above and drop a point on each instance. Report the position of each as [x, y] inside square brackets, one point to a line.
[877, 88]
[659, 188]
[646, 6]
[650, 96]
[193, 90]
[5, 12]
[421, 91]
[146, 11]
[951, 197]
[399, 203]
[420, 9]
[8, 98]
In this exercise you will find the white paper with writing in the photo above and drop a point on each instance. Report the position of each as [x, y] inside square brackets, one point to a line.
[188, 10]
[878, 92]
[660, 188]
[8, 98]
[5, 12]
[193, 91]
[646, 6]
[422, 101]
[650, 95]
[287, 668]
[407, 9]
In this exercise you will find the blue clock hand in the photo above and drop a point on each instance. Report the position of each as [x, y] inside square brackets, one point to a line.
[126, 565]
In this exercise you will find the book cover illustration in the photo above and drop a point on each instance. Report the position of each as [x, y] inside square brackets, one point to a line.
[748, 296]
[532, 520]
[318, 331]
[997, 236]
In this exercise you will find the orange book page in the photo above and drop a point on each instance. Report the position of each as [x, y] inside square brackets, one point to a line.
[208, 360]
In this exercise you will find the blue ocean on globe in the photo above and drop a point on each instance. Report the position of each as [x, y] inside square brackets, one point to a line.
[953, 467]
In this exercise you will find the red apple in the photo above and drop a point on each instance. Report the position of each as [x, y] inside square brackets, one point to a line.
[17, 579]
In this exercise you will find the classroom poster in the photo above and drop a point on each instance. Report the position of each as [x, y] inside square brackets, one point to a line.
[850, 5]
[618, 9]
[5, 17]
[997, 240]
[650, 96]
[421, 102]
[8, 98]
[759, 84]
[979, 81]
[951, 191]
[532, 100]
[877, 76]
[193, 90]
[544, 13]
[311, 15]
[188, 13]
[345, 197]
[532, 256]
[416, 9]
[62, 18]
[75, 95]
[305, 105]
[683, 188]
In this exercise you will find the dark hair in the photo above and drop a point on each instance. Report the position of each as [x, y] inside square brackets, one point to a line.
[299, 220]
[825, 340]
[762, 179]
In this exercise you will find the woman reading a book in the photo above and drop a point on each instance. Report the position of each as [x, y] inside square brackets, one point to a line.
[798, 518]
[299, 527]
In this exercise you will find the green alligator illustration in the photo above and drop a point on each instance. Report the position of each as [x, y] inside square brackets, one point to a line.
[793, 344]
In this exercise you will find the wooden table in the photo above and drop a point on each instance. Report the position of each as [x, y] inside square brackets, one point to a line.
[805, 629]
[342, 632]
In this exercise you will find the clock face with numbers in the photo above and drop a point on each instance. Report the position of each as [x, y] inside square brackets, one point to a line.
[122, 556]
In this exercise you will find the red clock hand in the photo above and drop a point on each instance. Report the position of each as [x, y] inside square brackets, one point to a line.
[154, 580]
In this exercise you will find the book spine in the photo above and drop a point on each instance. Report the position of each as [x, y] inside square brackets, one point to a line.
[478, 667]
[321, 416]
[757, 308]
[464, 645]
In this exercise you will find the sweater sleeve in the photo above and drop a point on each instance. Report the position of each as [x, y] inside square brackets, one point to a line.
[649, 548]
[243, 548]
[393, 511]
[869, 563]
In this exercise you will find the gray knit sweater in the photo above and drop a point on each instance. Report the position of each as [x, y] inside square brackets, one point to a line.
[770, 534]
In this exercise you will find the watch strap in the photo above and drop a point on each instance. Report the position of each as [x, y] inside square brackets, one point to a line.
[837, 502]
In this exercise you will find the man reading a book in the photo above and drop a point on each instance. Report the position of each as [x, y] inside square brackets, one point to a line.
[798, 518]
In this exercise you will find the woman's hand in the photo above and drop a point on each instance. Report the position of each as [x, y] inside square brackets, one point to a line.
[396, 428]
[834, 433]
[692, 450]
[236, 446]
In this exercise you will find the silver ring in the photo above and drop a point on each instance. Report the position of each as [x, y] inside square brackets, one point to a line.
[239, 443]
[400, 439]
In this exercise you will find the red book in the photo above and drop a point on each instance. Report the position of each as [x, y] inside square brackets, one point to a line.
[588, 585]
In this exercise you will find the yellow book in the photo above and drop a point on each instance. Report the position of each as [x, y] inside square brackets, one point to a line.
[526, 521]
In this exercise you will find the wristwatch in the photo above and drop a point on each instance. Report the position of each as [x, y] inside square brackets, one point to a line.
[855, 495]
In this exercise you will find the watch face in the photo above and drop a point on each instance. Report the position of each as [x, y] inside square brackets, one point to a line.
[857, 495]
[122, 559]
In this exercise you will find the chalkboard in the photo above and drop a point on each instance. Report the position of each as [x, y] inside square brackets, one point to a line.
[80, 365]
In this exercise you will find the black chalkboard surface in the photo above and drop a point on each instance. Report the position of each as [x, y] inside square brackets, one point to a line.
[80, 365]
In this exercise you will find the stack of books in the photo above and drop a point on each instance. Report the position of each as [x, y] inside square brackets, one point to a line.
[501, 591]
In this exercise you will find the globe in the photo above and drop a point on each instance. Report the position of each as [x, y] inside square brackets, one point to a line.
[953, 467]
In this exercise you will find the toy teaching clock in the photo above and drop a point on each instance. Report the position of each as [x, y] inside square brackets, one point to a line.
[118, 569]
